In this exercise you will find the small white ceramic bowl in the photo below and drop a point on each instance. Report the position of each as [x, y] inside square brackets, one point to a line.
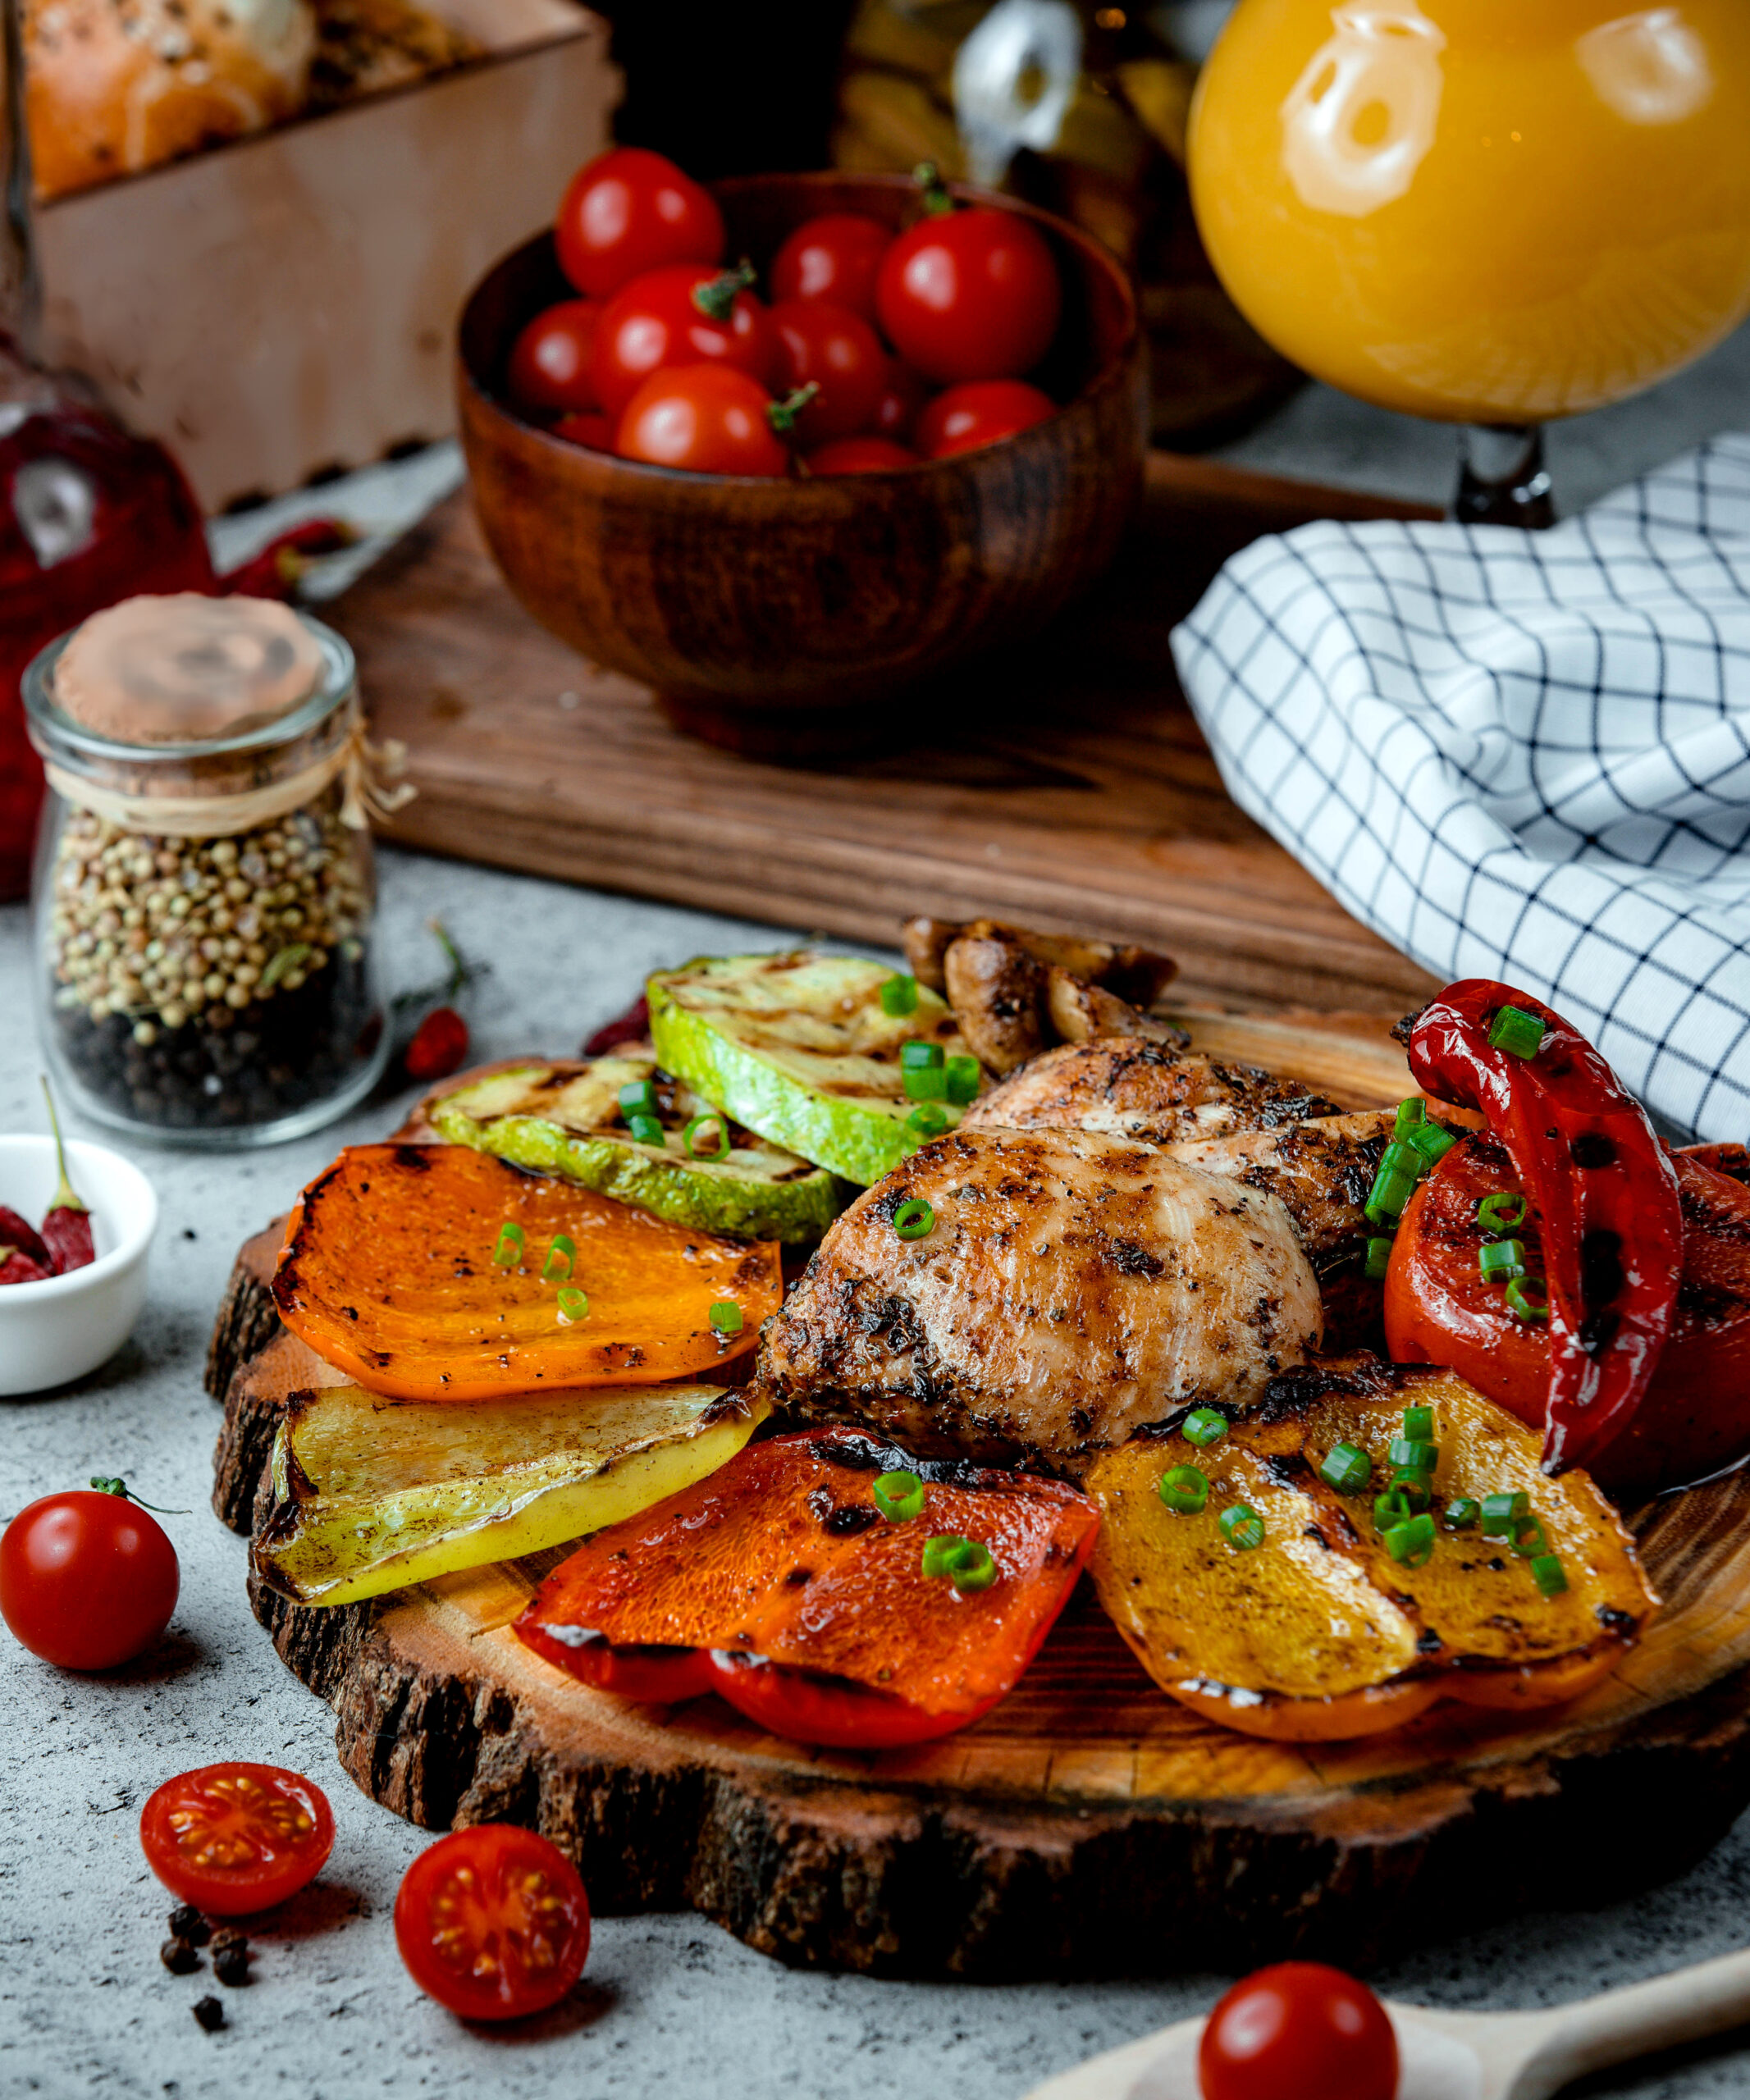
[59, 1329]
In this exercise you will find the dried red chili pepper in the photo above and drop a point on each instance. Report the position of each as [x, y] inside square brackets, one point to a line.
[278, 569]
[16, 1266]
[631, 1026]
[440, 1043]
[1604, 1189]
[19, 1233]
[66, 1223]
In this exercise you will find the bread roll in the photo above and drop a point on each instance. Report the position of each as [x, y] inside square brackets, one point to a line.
[114, 86]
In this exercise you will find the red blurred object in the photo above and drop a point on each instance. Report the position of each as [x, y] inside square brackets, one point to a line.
[969, 295]
[276, 571]
[707, 418]
[902, 394]
[678, 317]
[629, 210]
[837, 256]
[631, 1026]
[593, 429]
[440, 1043]
[824, 344]
[1299, 2030]
[549, 364]
[859, 455]
[980, 412]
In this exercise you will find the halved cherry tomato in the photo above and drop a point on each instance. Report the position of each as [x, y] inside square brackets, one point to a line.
[709, 418]
[87, 1580]
[629, 210]
[828, 346]
[1696, 1416]
[1299, 2029]
[549, 366]
[591, 430]
[493, 1922]
[807, 1706]
[234, 1838]
[653, 1676]
[902, 394]
[837, 256]
[667, 318]
[983, 412]
[859, 455]
[970, 295]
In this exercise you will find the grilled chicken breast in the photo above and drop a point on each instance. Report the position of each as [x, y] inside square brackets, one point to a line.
[1130, 1088]
[1072, 1286]
[1321, 1171]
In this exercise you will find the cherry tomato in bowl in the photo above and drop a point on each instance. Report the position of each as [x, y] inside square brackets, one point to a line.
[982, 412]
[837, 256]
[236, 1838]
[707, 418]
[858, 455]
[679, 315]
[87, 1579]
[902, 394]
[549, 367]
[969, 295]
[592, 429]
[493, 1922]
[629, 210]
[825, 346]
[1301, 2029]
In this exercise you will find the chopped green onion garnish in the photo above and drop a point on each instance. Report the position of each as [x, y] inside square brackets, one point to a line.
[1500, 1510]
[1419, 1422]
[1414, 1485]
[924, 1082]
[1390, 1192]
[1548, 1574]
[1392, 1507]
[637, 1097]
[1501, 1260]
[646, 1129]
[573, 1305]
[899, 996]
[1412, 1542]
[509, 1250]
[1432, 1142]
[1242, 1527]
[1522, 1304]
[1527, 1537]
[712, 1148]
[1413, 1454]
[1204, 1426]
[1504, 1212]
[1379, 1260]
[1184, 1489]
[918, 1055]
[899, 1496]
[1398, 1158]
[912, 1220]
[1519, 1033]
[963, 1077]
[927, 1121]
[726, 1317]
[1409, 1114]
[560, 1257]
[966, 1563]
[1460, 1513]
[1347, 1468]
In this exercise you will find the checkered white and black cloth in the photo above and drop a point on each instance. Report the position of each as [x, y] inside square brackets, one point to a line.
[1520, 755]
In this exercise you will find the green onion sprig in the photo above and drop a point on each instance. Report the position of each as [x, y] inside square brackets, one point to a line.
[1204, 1426]
[508, 1253]
[726, 1317]
[1185, 1491]
[899, 1496]
[915, 1219]
[561, 1258]
[1347, 1468]
[573, 1305]
[1519, 1033]
[899, 996]
[711, 1149]
[967, 1563]
[1242, 1527]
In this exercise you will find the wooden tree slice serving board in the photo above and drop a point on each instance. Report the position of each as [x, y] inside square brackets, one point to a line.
[1090, 1825]
[1068, 788]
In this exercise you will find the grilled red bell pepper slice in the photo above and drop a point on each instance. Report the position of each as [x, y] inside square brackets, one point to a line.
[1603, 1186]
[825, 1626]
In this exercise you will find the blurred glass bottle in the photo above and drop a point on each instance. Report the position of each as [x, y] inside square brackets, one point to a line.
[88, 512]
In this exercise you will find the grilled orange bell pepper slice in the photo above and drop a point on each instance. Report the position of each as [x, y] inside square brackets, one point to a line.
[784, 1557]
[390, 1272]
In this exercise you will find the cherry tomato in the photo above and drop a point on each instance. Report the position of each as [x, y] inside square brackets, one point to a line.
[629, 211]
[679, 315]
[837, 256]
[1302, 2030]
[902, 394]
[493, 1922]
[969, 295]
[549, 364]
[982, 412]
[1696, 1416]
[828, 346]
[87, 1580]
[234, 1838]
[593, 431]
[709, 418]
[831, 1711]
[658, 1677]
[859, 455]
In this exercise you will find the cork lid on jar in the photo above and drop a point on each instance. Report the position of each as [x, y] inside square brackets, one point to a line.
[186, 669]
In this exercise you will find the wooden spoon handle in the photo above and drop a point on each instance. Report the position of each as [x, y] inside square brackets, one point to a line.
[1685, 2007]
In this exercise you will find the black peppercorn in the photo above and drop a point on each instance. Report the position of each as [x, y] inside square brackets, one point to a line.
[178, 1956]
[187, 1922]
[209, 2014]
[230, 1958]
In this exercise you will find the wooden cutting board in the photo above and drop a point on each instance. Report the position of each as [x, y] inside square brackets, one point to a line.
[1090, 1825]
[1068, 788]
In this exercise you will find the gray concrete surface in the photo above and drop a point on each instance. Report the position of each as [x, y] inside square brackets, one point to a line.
[670, 2006]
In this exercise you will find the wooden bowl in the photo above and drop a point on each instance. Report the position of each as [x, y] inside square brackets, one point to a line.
[781, 617]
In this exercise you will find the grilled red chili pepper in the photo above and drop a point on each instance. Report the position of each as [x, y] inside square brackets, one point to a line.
[1601, 1181]
[66, 1223]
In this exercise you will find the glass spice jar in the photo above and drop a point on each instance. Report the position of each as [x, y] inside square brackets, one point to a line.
[204, 884]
